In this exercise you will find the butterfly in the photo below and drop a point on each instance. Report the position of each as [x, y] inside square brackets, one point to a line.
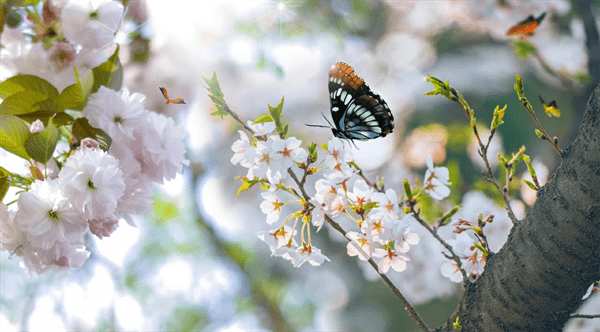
[526, 27]
[551, 109]
[357, 112]
[171, 101]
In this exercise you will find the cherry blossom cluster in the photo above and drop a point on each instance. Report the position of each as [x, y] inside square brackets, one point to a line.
[271, 157]
[67, 34]
[471, 247]
[383, 229]
[92, 189]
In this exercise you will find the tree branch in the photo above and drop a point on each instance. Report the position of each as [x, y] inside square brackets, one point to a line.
[523, 286]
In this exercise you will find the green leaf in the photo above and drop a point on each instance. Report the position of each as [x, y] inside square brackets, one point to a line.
[109, 74]
[60, 118]
[219, 113]
[5, 180]
[23, 3]
[448, 215]
[473, 118]
[530, 185]
[82, 129]
[74, 96]
[312, 152]
[284, 132]
[276, 111]
[441, 88]
[583, 78]
[502, 158]
[13, 134]
[213, 86]
[498, 115]
[247, 184]
[539, 134]
[276, 114]
[40, 146]
[263, 118]
[216, 95]
[456, 325]
[518, 156]
[22, 83]
[523, 48]
[518, 86]
[25, 102]
[408, 190]
[530, 168]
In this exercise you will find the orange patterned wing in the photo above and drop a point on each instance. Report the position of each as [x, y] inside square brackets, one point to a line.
[164, 93]
[170, 101]
[526, 27]
[176, 101]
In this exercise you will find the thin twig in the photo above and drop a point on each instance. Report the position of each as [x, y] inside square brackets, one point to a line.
[564, 80]
[529, 109]
[409, 308]
[446, 245]
[483, 153]
[584, 316]
[369, 183]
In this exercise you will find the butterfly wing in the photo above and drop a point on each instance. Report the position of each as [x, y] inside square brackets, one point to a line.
[171, 101]
[357, 112]
[164, 93]
[176, 101]
[550, 109]
[526, 27]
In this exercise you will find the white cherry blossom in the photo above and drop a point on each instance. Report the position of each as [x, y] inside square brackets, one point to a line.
[47, 217]
[91, 24]
[388, 202]
[93, 182]
[310, 254]
[261, 129]
[361, 245]
[436, 181]
[271, 206]
[118, 113]
[245, 154]
[390, 258]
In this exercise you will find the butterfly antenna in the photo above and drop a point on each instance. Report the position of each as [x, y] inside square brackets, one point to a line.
[330, 125]
[320, 126]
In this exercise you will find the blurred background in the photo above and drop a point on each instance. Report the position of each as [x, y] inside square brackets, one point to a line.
[195, 263]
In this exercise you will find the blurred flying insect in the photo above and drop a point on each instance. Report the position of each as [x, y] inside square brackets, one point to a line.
[526, 27]
[551, 109]
[171, 101]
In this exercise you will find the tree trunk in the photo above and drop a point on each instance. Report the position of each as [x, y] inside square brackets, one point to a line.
[552, 256]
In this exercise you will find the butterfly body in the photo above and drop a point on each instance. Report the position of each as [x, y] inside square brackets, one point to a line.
[357, 112]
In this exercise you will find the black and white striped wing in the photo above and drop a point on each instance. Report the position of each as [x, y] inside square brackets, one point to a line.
[357, 112]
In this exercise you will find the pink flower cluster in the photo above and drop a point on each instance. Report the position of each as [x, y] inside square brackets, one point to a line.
[94, 189]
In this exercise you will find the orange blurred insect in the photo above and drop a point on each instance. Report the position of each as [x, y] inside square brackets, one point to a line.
[526, 27]
[171, 101]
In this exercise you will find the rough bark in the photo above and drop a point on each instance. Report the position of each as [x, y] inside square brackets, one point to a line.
[552, 256]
